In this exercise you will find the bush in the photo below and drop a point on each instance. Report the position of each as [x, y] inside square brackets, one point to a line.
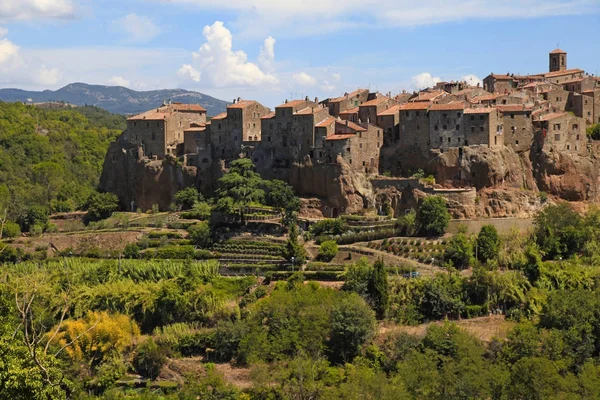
[174, 252]
[36, 215]
[61, 206]
[187, 198]
[328, 227]
[101, 206]
[488, 243]
[131, 251]
[433, 216]
[200, 234]
[327, 251]
[459, 251]
[36, 230]
[11, 255]
[11, 230]
[149, 359]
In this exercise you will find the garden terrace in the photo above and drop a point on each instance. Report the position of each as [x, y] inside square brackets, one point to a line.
[421, 250]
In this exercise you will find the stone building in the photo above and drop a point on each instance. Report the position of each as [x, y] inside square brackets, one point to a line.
[240, 124]
[367, 112]
[413, 126]
[558, 60]
[483, 127]
[389, 120]
[347, 101]
[160, 131]
[357, 144]
[446, 125]
[499, 83]
[428, 96]
[561, 132]
[517, 126]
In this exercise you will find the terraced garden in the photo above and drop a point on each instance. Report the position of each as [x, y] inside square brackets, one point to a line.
[422, 250]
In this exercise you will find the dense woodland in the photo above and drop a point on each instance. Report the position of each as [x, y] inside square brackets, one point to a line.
[159, 321]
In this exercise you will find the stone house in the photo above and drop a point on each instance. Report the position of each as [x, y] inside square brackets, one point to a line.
[561, 132]
[357, 144]
[367, 112]
[517, 126]
[389, 120]
[347, 101]
[160, 131]
[413, 126]
[446, 125]
[349, 115]
[428, 96]
[499, 83]
[482, 127]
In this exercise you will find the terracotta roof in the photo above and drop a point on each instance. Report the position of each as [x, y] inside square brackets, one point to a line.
[152, 115]
[524, 77]
[223, 115]
[351, 125]
[198, 129]
[375, 101]
[428, 96]
[485, 97]
[338, 99]
[419, 105]
[350, 111]
[308, 110]
[551, 116]
[393, 110]
[480, 110]
[242, 104]
[341, 137]
[187, 107]
[326, 122]
[502, 77]
[558, 51]
[447, 107]
[513, 108]
[565, 72]
[293, 103]
[268, 116]
[572, 81]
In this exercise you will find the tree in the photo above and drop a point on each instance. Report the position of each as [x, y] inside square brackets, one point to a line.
[281, 196]
[149, 359]
[240, 184]
[433, 216]
[293, 249]
[36, 215]
[132, 251]
[327, 251]
[559, 231]
[200, 234]
[378, 289]
[357, 277]
[459, 251]
[488, 243]
[594, 131]
[101, 206]
[352, 325]
[187, 198]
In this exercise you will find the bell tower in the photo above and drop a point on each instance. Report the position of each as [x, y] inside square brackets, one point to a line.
[558, 60]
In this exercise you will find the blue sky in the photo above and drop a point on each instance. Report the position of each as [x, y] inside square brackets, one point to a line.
[271, 50]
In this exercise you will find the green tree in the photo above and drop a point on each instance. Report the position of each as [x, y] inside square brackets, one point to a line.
[537, 378]
[357, 277]
[352, 325]
[36, 215]
[559, 231]
[459, 251]
[149, 359]
[433, 216]
[200, 234]
[281, 196]
[594, 131]
[187, 198]
[240, 186]
[378, 289]
[327, 250]
[101, 205]
[293, 249]
[488, 243]
[131, 251]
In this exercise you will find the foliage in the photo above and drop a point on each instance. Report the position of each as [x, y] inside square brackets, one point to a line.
[149, 359]
[101, 206]
[131, 251]
[36, 215]
[357, 276]
[293, 249]
[187, 198]
[328, 227]
[377, 289]
[200, 234]
[433, 216]
[327, 251]
[559, 231]
[488, 243]
[11, 230]
[200, 210]
[593, 131]
[459, 251]
[239, 187]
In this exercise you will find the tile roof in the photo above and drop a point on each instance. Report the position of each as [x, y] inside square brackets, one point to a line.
[351, 125]
[393, 110]
[350, 111]
[565, 72]
[152, 115]
[341, 137]
[428, 96]
[308, 111]
[187, 107]
[196, 129]
[223, 115]
[338, 99]
[513, 108]
[166, 110]
[502, 77]
[375, 102]
[419, 105]
[558, 51]
[242, 104]
[268, 116]
[293, 103]
[484, 97]
[480, 110]
[551, 116]
[572, 81]
[456, 105]
[326, 122]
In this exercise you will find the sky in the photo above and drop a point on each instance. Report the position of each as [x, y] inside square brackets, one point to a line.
[273, 50]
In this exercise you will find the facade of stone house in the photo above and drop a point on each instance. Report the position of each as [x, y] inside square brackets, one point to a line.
[482, 127]
[347, 101]
[358, 144]
[446, 125]
[413, 126]
[367, 112]
[499, 83]
[561, 132]
[517, 126]
[389, 120]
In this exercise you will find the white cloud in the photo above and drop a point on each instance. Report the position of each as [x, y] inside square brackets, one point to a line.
[36, 9]
[221, 66]
[327, 87]
[188, 72]
[10, 57]
[336, 77]
[304, 79]
[424, 80]
[47, 76]
[138, 28]
[119, 81]
[314, 17]
[3, 31]
[15, 68]
[472, 80]
[266, 58]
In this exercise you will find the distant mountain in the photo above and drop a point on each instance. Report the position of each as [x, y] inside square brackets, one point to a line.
[115, 99]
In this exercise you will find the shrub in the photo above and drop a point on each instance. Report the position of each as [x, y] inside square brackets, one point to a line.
[149, 359]
[11, 230]
[488, 243]
[327, 251]
[200, 211]
[187, 198]
[131, 251]
[200, 234]
[459, 251]
[433, 216]
[36, 215]
[175, 252]
[36, 230]
[101, 206]
[61, 206]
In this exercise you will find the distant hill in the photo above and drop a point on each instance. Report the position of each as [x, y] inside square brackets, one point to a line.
[115, 99]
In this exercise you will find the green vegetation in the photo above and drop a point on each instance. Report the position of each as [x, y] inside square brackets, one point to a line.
[327, 251]
[433, 217]
[594, 131]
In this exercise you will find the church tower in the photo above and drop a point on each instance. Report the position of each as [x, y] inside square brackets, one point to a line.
[558, 60]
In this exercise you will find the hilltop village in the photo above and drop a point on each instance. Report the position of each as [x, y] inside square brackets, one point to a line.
[361, 137]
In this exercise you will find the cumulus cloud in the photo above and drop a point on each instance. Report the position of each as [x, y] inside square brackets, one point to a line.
[138, 28]
[300, 18]
[304, 79]
[221, 66]
[327, 87]
[47, 76]
[36, 9]
[15, 68]
[472, 80]
[187, 72]
[3, 31]
[119, 81]
[424, 80]
[336, 77]
[266, 58]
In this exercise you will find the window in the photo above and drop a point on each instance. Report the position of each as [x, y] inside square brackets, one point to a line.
[153, 136]
[219, 126]
[513, 129]
[407, 113]
[157, 124]
[557, 127]
[472, 118]
[575, 127]
[457, 115]
[418, 127]
[377, 144]
[449, 140]
[418, 113]
[444, 127]
[364, 163]
[348, 149]
[360, 146]
[512, 116]
[270, 126]
[577, 137]
[444, 115]
[134, 124]
[441, 139]
[269, 139]
[458, 140]
[147, 124]
[254, 125]
[568, 147]
[481, 129]
[458, 127]
[284, 141]
[379, 132]
[350, 161]
[482, 117]
[516, 142]
[435, 128]
[557, 137]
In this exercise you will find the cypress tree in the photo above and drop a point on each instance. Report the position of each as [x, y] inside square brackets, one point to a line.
[378, 289]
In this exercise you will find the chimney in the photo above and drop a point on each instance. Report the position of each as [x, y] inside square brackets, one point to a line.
[286, 101]
[306, 98]
[239, 98]
[233, 101]
[316, 99]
